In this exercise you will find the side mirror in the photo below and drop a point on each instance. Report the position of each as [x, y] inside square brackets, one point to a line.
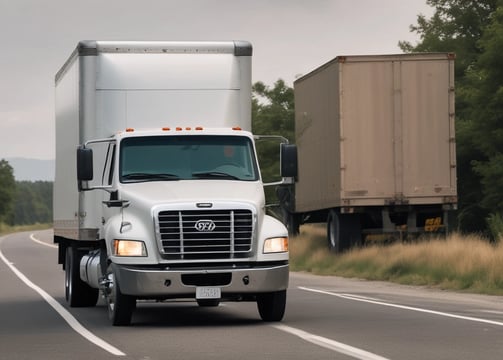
[84, 164]
[289, 161]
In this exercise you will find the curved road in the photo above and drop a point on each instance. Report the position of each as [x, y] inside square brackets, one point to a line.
[326, 318]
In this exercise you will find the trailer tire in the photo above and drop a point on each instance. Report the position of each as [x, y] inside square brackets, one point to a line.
[271, 306]
[77, 292]
[343, 231]
[120, 306]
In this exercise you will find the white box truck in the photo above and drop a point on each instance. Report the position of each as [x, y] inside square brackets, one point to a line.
[158, 193]
[376, 147]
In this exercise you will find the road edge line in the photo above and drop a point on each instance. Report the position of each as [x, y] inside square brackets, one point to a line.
[34, 239]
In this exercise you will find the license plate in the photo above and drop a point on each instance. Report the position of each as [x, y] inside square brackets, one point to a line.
[208, 293]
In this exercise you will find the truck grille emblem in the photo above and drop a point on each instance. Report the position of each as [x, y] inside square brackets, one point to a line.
[205, 225]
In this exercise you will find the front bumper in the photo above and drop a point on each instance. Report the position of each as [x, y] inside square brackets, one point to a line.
[181, 283]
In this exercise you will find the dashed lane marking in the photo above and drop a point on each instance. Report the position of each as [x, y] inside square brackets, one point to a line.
[330, 344]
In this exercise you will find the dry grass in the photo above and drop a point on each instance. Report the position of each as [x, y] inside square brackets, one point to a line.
[467, 263]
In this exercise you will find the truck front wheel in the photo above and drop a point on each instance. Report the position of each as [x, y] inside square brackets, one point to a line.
[271, 306]
[120, 306]
[77, 292]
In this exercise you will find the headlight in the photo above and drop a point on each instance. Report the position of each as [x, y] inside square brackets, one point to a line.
[275, 245]
[129, 248]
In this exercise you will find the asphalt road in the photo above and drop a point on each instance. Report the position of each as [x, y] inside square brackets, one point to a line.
[326, 318]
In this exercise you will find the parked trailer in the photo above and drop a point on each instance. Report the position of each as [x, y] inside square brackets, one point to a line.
[375, 144]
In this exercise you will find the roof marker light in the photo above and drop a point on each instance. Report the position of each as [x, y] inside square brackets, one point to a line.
[166, 129]
[199, 128]
[188, 128]
[236, 128]
[129, 130]
[178, 128]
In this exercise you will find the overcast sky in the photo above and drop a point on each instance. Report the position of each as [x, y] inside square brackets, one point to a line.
[289, 37]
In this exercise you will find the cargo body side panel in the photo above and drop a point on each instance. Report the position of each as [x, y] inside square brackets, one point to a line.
[76, 214]
[317, 132]
[66, 197]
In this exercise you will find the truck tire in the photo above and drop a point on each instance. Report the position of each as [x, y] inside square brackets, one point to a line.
[343, 231]
[271, 306]
[77, 292]
[120, 306]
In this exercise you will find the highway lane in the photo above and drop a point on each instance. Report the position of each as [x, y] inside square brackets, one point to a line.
[327, 318]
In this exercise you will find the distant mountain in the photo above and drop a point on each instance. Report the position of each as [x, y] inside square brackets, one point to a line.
[32, 169]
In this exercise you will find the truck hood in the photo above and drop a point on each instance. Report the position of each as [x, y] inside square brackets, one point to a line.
[193, 191]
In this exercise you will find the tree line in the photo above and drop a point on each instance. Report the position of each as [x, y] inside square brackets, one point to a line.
[23, 202]
[473, 30]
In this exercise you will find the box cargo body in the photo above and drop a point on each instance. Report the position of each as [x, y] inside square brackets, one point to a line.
[107, 87]
[158, 193]
[375, 131]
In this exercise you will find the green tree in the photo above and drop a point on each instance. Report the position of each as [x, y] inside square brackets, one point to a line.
[486, 78]
[33, 203]
[7, 189]
[272, 114]
[456, 26]
[273, 109]
[460, 26]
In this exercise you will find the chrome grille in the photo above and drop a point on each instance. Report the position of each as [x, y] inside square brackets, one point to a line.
[205, 234]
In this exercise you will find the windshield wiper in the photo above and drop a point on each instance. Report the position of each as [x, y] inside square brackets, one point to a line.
[214, 175]
[150, 177]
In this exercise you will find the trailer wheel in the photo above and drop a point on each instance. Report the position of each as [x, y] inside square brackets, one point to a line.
[120, 306]
[343, 231]
[77, 292]
[271, 306]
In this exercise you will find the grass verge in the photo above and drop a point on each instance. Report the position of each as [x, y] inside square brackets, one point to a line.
[461, 263]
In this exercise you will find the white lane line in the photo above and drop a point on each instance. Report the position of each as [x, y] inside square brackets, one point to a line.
[362, 297]
[433, 312]
[33, 238]
[75, 325]
[330, 344]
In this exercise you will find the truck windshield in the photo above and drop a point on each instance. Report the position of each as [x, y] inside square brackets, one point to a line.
[168, 158]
